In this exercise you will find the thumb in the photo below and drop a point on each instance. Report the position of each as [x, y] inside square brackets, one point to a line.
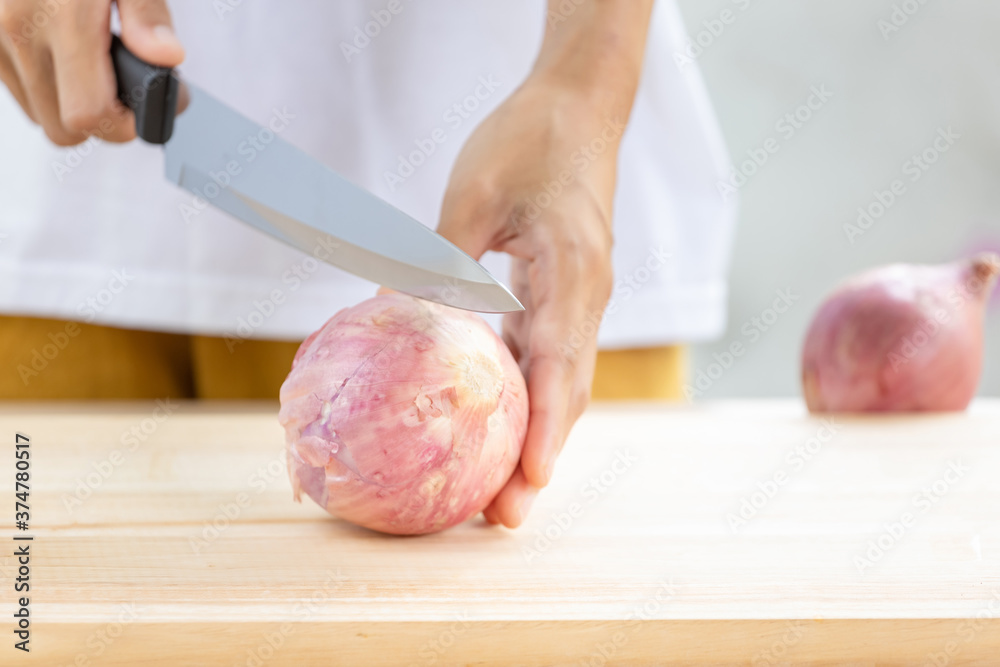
[466, 223]
[148, 32]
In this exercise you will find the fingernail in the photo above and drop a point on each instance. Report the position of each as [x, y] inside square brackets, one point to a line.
[166, 35]
[526, 504]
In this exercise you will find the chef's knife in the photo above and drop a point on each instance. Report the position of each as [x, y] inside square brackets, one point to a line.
[228, 161]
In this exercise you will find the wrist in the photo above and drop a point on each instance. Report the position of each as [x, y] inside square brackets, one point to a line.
[593, 52]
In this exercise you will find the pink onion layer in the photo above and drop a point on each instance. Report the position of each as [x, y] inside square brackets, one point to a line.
[403, 416]
[900, 338]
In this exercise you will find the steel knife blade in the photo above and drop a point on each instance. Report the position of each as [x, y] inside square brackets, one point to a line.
[283, 192]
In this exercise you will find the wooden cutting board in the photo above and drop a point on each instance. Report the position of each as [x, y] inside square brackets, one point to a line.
[731, 533]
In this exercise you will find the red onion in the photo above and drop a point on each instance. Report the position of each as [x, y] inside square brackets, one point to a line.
[403, 416]
[900, 338]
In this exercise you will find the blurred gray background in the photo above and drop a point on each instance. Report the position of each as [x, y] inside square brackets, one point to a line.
[892, 89]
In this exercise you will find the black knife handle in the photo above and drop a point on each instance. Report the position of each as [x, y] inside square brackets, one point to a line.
[149, 91]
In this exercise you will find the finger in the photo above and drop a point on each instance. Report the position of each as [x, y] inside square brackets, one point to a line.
[38, 77]
[384, 290]
[558, 392]
[550, 382]
[118, 125]
[84, 76]
[466, 218]
[10, 78]
[491, 516]
[512, 504]
[474, 239]
[562, 347]
[148, 32]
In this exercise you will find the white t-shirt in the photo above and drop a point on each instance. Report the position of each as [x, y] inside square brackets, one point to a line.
[95, 232]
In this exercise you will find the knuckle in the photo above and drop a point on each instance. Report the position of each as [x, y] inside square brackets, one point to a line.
[82, 119]
[564, 356]
[485, 192]
[471, 200]
[118, 134]
[592, 253]
[60, 137]
[10, 16]
[518, 221]
[568, 356]
[21, 18]
[587, 254]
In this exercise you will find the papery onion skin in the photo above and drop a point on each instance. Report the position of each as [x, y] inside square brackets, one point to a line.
[403, 416]
[900, 338]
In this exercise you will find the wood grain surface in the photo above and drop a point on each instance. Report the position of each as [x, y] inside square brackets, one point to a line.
[729, 533]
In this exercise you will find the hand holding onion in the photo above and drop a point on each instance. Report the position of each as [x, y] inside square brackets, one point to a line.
[403, 416]
[900, 338]
[561, 258]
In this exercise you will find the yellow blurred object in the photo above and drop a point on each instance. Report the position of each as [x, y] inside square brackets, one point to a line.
[651, 373]
[54, 359]
[254, 368]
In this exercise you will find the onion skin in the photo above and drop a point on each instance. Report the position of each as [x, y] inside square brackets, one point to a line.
[403, 416]
[901, 338]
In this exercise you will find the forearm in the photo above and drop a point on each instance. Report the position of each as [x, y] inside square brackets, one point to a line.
[595, 48]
